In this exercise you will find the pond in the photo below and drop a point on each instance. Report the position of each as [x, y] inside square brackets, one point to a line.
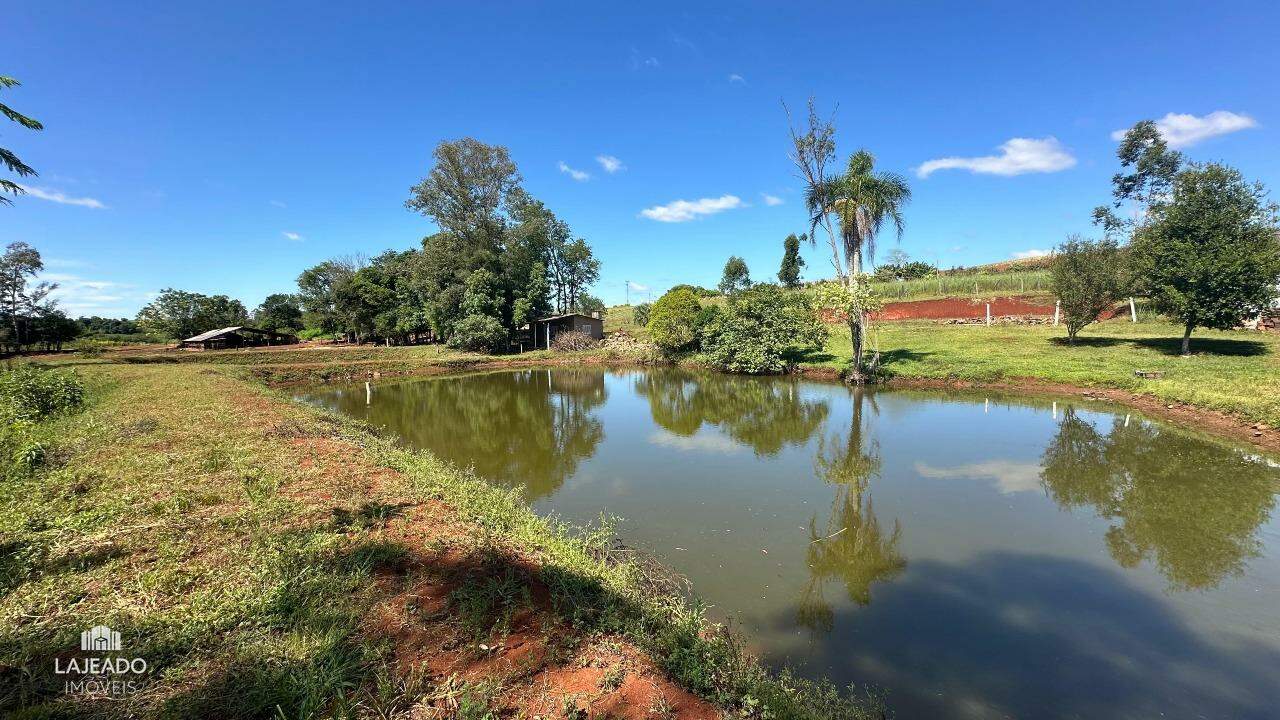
[972, 555]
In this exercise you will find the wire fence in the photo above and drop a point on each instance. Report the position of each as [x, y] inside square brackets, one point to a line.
[978, 285]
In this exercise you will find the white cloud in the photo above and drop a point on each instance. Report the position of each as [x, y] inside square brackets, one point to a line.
[685, 210]
[738, 79]
[638, 61]
[579, 175]
[62, 198]
[709, 442]
[1017, 156]
[292, 236]
[610, 163]
[1032, 253]
[278, 203]
[82, 296]
[1009, 476]
[771, 200]
[637, 286]
[1184, 130]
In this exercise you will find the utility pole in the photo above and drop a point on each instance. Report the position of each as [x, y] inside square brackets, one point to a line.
[627, 283]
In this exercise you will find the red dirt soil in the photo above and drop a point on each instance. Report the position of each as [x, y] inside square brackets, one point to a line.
[967, 308]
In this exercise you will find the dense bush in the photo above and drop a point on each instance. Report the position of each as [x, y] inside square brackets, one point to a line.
[312, 334]
[480, 333]
[28, 394]
[760, 328]
[1088, 278]
[697, 290]
[673, 322]
[913, 270]
[572, 341]
[641, 314]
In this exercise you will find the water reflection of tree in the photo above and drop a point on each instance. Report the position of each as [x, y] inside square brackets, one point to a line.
[1192, 506]
[853, 547]
[529, 428]
[764, 413]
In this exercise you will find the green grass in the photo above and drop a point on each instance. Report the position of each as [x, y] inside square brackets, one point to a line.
[1236, 371]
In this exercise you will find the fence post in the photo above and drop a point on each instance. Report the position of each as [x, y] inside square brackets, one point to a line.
[1057, 310]
[1133, 310]
[988, 313]
[368, 394]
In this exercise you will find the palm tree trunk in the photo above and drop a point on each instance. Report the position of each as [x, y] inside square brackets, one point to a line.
[857, 323]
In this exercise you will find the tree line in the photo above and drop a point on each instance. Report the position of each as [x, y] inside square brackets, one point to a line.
[501, 258]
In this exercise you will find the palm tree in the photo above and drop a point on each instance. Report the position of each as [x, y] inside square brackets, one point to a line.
[862, 200]
[11, 161]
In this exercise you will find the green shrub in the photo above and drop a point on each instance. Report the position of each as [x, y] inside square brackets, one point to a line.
[28, 393]
[760, 328]
[312, 334]
[641, 314]
[697, 290]
[479, 333]
[1088, 278]
[673, 322]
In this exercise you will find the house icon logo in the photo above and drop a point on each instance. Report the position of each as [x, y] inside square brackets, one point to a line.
[100, 638]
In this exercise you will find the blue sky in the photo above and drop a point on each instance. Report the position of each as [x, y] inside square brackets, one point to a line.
[223, 148]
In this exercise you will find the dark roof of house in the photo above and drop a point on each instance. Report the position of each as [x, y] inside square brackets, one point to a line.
[568, 315]
[211, 334]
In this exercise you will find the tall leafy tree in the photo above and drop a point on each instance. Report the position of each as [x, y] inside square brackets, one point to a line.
[1088, 277]
[1209, 253]
[11, 161]
[279, 311]
[18, 267]
[1148, 171]
[789, 271]
[468, 192]
[736, 276]
[574, 269]
[318, 289]
[179, 314]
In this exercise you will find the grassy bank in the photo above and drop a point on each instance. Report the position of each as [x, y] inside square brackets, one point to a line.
[271, 560]
[1234, 372]
[969, 286]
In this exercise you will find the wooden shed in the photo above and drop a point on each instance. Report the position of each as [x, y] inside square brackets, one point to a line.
[546, 329]
[235, 337]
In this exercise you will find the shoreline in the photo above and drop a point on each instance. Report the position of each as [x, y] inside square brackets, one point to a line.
[1217, 423]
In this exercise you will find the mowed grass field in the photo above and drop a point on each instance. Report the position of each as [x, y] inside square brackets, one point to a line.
[1235, 371]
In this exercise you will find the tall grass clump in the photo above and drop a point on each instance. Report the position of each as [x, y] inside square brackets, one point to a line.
[30, 394]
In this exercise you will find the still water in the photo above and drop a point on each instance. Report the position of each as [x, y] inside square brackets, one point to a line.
[973, 556]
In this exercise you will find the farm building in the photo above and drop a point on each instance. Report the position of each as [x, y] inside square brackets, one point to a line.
[545, 330]
[234, 337]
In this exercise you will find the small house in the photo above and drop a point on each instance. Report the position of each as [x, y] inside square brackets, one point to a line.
[235, 337]
[545, 330]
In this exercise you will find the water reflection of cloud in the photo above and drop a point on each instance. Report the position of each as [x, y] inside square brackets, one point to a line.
[1010, 476]
[701, 442]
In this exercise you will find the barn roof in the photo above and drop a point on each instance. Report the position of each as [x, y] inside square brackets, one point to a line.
[213, 334]
[227, 331]
[568, 315]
